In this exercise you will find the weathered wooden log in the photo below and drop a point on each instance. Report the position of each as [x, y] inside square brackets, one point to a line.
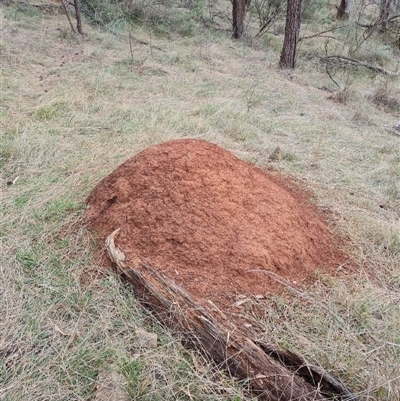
[262, 367]
[315, 375]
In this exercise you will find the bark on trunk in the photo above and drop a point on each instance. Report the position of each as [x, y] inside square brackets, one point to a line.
[292, 30]
[238, 14]
[78, 17]
[343, 11]
[384, 14]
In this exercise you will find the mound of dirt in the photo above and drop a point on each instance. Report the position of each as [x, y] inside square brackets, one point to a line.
[216, 225]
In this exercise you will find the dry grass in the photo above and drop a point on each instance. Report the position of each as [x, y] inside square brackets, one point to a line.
[74, 108]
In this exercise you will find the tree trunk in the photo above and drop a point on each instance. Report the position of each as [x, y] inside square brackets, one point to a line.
[292, 30]
[78, 17]
[384, 15]
[238, 13]
[343, 11]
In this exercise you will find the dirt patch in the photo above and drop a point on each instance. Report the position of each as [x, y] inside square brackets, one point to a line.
[210, 221]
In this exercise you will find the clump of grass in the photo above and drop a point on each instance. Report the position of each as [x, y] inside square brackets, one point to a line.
[379, 55]
[387, 98]
[49, 112]
[289, 157]
[343, 95]
[21, 10]
[163, 17]
[337, 331]
[361, 118]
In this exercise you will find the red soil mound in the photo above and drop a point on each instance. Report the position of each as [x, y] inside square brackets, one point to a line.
[210, 221]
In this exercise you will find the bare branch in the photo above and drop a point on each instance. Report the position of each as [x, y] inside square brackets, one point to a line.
[68, 17]
[356, 63]
[320, 33]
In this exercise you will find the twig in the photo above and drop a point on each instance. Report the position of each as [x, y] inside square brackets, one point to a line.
[130, 43]
[262, 29]
[151, 47]
[320, 33]
[393, 18]
[330, 76]
[215, 307]
[374, 24]
[324, 37]
[360, 63]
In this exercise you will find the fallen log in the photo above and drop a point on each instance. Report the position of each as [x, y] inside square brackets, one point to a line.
[272, 374]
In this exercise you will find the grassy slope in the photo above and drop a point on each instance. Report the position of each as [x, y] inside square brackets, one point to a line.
[73, 109]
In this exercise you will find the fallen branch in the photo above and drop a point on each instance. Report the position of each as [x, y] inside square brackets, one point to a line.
[261, 366]
[314, 375]
[357, 63]
[320, 33]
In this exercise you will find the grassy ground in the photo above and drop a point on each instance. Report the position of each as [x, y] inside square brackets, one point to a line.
[73, 109]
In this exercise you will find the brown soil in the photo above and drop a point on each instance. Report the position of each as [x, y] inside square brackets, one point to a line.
[210, 221]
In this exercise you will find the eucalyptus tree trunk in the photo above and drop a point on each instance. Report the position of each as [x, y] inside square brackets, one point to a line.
[292, 30]
[238, 14]
[78, 17]
[384, 14]
[343, 11]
